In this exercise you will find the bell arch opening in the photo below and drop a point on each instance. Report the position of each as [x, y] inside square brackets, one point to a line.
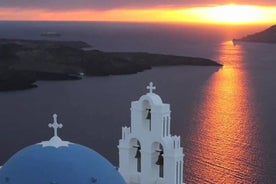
[158, 158]
[135, 154]
[147, 111]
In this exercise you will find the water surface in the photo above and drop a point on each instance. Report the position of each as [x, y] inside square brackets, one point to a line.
[225, 116]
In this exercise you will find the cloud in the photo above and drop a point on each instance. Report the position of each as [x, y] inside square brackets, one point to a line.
[116, 4]
[88, 4]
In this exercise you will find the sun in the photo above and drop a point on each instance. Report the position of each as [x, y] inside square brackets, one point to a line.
[232, 14]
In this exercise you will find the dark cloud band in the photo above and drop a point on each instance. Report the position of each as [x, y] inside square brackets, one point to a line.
[114, 4]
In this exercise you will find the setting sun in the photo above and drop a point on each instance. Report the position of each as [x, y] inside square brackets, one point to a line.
[232, 14]
[235, 13]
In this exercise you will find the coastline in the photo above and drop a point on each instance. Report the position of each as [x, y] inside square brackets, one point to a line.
[66, 60]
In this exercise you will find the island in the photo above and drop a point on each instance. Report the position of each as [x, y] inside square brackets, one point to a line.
[266, 36]
[22, 62]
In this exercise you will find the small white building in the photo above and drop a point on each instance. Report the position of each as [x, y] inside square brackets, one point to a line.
[148, 153]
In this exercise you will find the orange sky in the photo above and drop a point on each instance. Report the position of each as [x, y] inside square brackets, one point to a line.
[227, 14]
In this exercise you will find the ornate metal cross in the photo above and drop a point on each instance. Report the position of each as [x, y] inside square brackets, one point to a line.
[55, 125]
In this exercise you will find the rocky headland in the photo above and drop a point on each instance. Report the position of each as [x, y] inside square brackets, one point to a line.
[22, 62]
[266, 36]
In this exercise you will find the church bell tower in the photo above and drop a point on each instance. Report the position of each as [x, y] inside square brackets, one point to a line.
[148, 153]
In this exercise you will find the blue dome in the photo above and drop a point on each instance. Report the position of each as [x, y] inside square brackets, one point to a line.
[71, 164]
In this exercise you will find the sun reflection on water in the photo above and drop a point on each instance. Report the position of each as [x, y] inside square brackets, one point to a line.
[223, 140]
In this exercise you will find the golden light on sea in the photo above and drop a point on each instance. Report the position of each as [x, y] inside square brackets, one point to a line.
[225, 134]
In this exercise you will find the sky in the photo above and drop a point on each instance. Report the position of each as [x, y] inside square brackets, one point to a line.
[189, 11]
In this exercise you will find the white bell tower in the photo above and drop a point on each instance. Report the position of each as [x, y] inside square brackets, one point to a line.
[148, 153]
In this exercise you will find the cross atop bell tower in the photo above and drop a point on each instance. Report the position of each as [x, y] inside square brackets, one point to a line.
[150, 87]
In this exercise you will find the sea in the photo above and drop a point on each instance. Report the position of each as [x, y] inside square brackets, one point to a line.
[226, 116]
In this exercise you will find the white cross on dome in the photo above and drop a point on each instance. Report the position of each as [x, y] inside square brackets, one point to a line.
[55, 125]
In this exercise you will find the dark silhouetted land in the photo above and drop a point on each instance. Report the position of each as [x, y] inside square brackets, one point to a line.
[22, 62]
[266, 36]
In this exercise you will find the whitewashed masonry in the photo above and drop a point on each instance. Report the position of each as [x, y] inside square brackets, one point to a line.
[148, 153]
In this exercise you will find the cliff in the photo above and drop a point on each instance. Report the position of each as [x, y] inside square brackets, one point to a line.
[266, 36]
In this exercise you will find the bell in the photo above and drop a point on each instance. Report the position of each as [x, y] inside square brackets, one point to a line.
[160, 160]
[149, 114]
[138, 153]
